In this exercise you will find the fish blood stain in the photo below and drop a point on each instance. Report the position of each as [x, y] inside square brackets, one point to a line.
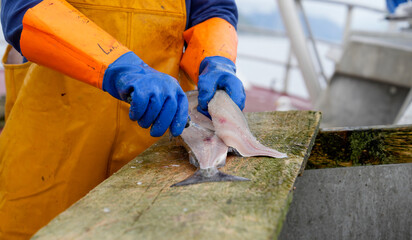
[208, 139]
[222, 120]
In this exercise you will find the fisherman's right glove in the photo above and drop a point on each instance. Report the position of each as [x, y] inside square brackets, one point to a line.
[209, 60]
[156, 98]
[219, 73]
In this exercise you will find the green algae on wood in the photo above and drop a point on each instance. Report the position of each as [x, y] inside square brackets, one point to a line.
[137, 202]
[343, 147]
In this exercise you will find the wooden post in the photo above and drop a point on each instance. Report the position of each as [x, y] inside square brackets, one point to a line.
[137, 202]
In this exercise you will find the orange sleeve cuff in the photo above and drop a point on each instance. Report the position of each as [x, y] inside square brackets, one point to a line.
[58, 36]
[213, 37]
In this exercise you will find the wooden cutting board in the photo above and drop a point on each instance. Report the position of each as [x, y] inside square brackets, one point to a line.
[137, 202]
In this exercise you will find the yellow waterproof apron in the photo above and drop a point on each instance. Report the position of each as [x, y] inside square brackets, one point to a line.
[63, 137]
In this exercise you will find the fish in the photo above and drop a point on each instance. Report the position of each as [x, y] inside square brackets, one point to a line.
[196, 116]
[208, 141]
[208, 153]
[231, 126]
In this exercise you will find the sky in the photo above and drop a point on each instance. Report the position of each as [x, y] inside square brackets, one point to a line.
[266, 5]
[336, 13]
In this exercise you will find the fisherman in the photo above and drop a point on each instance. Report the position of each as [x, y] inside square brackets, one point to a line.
[393, 4]
[63, 136]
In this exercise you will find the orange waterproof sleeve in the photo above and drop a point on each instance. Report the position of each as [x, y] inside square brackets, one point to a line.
[58, 36]
[213, 37]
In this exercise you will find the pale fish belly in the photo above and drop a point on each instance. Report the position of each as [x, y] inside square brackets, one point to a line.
[231, 126]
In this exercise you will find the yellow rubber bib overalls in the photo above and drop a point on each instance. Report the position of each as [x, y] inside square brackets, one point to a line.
[63, 137]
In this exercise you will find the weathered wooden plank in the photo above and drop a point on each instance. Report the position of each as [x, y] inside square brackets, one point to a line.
[343, 147]
[137, 202]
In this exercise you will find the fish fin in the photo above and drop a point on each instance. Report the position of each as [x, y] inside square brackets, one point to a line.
[202, 176]
[193, 159]
[235, 152]
[171, 137]
[263, 153]
[222, 163]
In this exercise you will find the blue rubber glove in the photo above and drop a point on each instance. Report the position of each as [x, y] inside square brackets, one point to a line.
[393, 4]
[157, 99]
[219, 73]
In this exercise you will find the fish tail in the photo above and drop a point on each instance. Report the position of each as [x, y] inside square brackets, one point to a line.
[209, 175]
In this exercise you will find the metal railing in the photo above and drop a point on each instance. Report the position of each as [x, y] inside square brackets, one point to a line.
[309, 37]
[351, 5]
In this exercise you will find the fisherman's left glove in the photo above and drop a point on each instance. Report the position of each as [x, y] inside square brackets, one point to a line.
[219, 73]
[84, 51]
[156, 99]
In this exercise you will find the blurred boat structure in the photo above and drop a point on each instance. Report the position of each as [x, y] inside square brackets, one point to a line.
[370, 81]
[363, 101]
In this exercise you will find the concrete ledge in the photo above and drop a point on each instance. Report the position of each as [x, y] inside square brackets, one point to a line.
[371, 202]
